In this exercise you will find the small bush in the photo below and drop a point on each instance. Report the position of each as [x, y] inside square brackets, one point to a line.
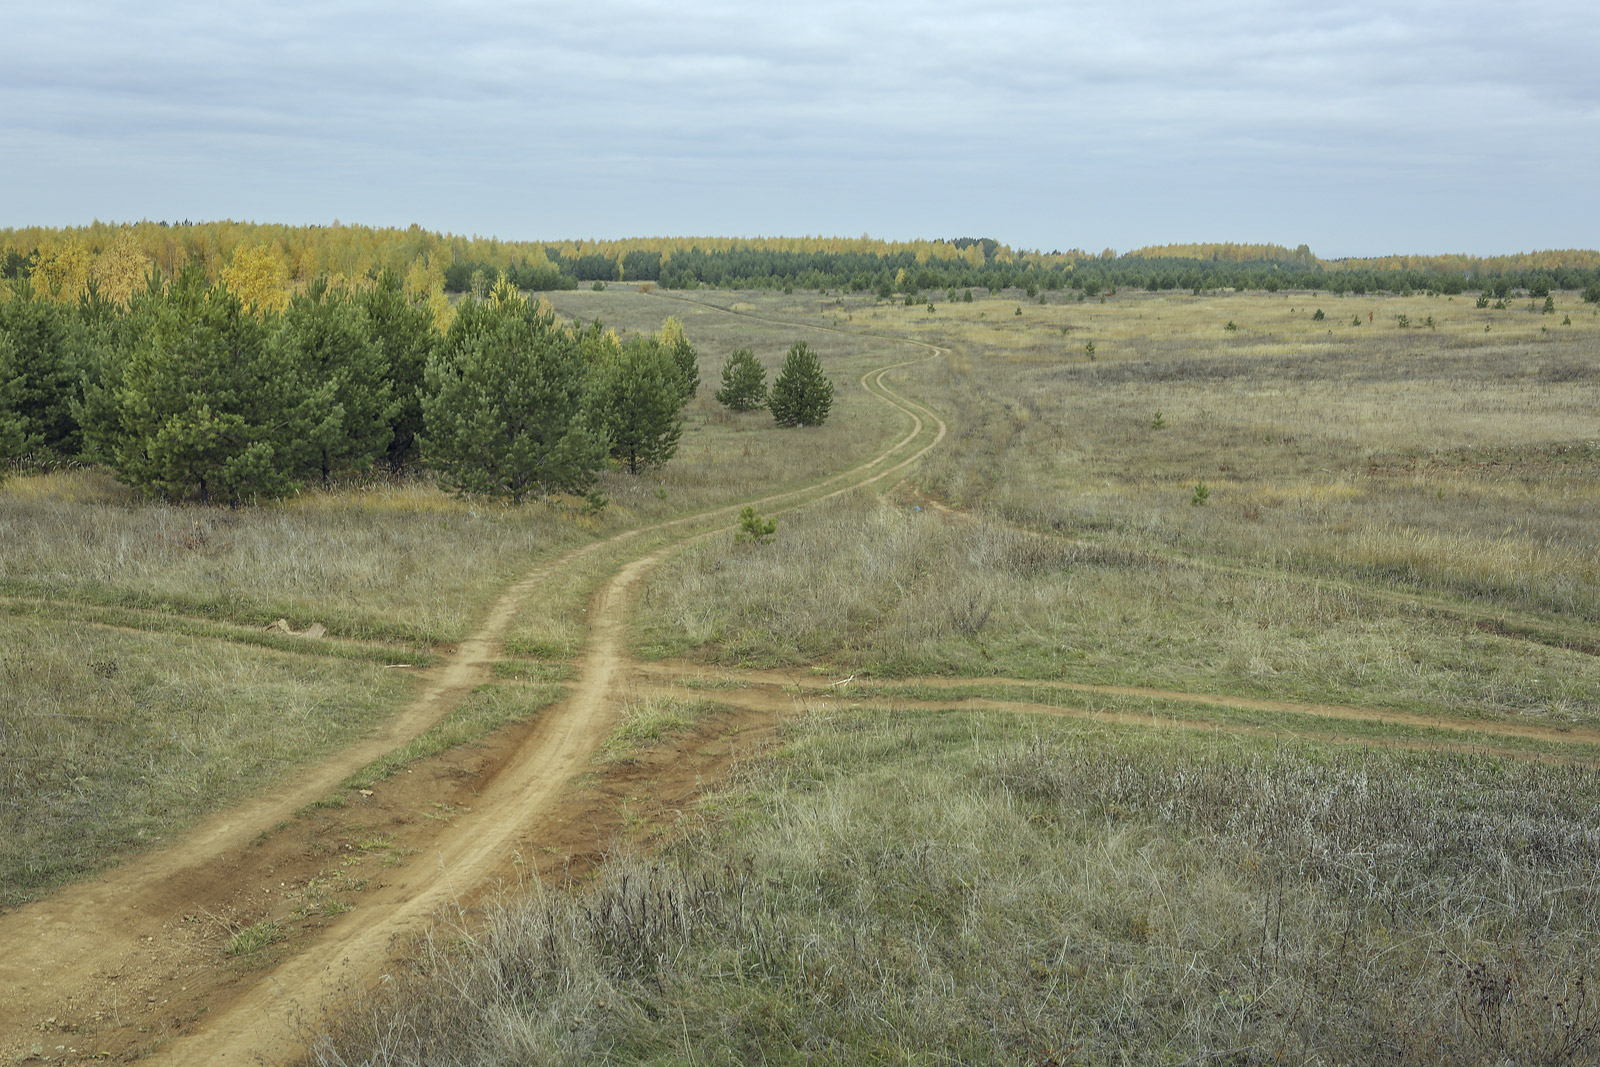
[753, 527]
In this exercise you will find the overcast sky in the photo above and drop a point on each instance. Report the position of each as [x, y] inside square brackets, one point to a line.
[1359, 128]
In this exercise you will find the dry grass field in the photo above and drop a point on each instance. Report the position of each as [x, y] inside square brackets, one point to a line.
[1225, 692]
[1361, 558]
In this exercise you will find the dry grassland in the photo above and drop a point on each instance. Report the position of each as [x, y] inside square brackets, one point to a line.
[1392, 520]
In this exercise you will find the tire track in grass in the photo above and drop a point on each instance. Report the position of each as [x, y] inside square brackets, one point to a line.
[665, 671]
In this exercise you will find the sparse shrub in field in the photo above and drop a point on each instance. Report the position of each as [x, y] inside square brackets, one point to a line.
[1019, 311]
[1319, 316]
[1566, 320]
[966, 297]
[1202, 493]
[1482, 301]
[1088, 350]
[1591, 295]
[802, 394]
[1549, 307]
[744, 382]
[1500, 305]
[1159, 422]
[1428, 322]
[753, 527]
[1403, 321]
[598, 286]
[1356, 321]
[1232, 326]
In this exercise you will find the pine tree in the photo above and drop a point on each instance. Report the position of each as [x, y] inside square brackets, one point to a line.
[13, 440]
[402, 326]
[802, 394]
[744, 382]
[672, 338]
[503, 404]
[637, 400]
[326, 339]
[208, 404]
[46, 358]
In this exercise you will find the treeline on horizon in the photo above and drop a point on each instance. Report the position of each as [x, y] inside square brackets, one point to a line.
[275, 261]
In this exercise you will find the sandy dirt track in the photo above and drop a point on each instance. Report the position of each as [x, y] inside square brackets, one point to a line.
[108, 955]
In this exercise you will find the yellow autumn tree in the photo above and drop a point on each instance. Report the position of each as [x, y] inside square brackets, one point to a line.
[258, 276]
[62, 273]
[120, 270]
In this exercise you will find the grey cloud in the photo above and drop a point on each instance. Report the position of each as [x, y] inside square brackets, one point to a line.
[728, 117]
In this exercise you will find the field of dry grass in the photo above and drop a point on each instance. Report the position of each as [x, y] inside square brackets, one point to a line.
[959, 888]
[1187, 522]
[1404, 518]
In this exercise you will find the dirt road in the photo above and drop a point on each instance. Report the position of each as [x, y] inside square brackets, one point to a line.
[96, 966]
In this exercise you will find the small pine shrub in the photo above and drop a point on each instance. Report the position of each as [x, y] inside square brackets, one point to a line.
[754, 528]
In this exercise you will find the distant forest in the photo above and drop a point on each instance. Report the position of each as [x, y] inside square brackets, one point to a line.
[268, 263]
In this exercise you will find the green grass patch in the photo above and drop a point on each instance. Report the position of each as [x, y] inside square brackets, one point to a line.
[532, 670]
[487, 709]
[255, 937]
[647, 722]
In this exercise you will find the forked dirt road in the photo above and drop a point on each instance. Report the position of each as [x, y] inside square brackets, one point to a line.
[130, 962]
[90, 968]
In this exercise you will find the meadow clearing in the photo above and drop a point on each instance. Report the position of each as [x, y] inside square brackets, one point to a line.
[1224, 687]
